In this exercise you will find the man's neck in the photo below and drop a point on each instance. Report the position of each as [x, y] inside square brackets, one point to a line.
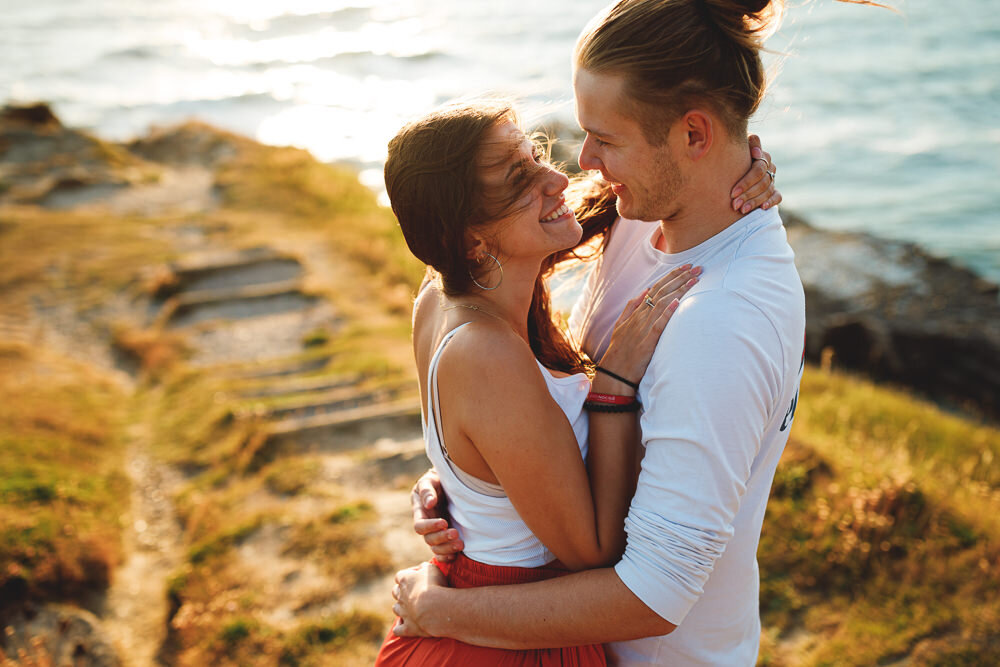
[708, 209]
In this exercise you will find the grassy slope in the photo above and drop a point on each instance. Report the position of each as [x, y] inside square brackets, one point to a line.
[882, 534]
[273, 193]
[881, 537]
[62, 487]
[61, 479]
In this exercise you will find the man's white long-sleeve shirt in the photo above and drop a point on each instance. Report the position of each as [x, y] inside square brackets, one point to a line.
[719, 396]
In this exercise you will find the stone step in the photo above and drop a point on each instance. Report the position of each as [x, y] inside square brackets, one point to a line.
[344, 430]
[14, 329]
[234, 303]
[275, 369]
[320, 403]
[224, 257]
[299, 386]
[335, 398]
[229, 268]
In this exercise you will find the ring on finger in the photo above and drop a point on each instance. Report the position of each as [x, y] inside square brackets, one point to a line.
[764, 160]
[649, 302]
[771, 174]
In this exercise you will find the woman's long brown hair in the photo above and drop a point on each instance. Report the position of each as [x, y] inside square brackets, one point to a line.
[431, 177]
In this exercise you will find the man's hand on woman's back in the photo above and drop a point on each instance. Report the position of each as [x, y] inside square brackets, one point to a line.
[429, 517]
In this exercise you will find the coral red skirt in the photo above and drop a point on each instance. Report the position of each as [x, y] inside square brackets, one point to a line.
[464, 572]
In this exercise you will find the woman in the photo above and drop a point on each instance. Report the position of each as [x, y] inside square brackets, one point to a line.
[504, 392]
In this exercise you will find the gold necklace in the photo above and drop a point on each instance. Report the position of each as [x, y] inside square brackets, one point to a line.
[474, 307]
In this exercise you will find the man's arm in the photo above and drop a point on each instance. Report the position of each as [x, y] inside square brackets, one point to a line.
[582, 608]
[705, 415]
[430, 517]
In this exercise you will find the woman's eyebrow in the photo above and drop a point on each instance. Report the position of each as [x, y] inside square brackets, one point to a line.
[514, 167]
[520, 162]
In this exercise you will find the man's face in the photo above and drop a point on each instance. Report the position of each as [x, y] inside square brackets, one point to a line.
[646, 178]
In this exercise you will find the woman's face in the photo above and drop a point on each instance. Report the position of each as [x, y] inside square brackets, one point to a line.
[538, 222]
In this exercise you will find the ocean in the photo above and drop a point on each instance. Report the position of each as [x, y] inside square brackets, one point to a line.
[878, 121]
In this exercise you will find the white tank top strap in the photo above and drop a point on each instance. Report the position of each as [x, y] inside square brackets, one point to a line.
[434, 412]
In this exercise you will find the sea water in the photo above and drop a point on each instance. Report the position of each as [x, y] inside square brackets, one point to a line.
[878, 121]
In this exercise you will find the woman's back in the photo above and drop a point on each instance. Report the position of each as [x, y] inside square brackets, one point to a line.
[490, 527]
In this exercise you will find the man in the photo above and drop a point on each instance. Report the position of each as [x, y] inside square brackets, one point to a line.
[668, 134]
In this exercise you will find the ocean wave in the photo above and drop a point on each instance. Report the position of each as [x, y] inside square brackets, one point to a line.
[135, 53]
[256, 99]
[360, 63]
[360, 57]
[347, 18]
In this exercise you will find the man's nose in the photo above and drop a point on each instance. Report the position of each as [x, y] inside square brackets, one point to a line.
[588, 159]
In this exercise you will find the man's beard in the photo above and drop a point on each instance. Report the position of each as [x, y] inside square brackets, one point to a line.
[661, 201]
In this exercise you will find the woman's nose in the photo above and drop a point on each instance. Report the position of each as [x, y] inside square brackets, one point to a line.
[555, 181]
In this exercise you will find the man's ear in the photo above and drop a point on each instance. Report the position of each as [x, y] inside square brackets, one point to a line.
[699, 133]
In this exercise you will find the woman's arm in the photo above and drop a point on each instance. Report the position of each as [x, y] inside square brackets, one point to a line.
[505, 415]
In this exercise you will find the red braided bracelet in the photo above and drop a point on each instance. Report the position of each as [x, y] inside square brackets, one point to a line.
[610, 399]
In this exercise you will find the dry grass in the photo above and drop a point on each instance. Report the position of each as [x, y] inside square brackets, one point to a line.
[152, 351]
[290, 476]
[79, 257]
[61, 485]
[880, 544]
[345, 541]
[881, 539]
[218, 609]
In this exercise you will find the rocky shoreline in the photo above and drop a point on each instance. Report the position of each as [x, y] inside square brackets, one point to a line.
[883, 308]
[892, 311]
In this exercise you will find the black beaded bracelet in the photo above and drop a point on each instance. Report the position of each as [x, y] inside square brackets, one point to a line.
[634, 385]
[597, 406]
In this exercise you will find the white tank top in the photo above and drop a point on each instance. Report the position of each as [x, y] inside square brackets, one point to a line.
[482, 514]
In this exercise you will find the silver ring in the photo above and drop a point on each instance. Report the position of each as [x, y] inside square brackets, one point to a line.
[766, 163]
[771, 174]
[649, 302]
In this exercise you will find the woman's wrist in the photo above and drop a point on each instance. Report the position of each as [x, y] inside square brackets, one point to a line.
[605, 370]
[605, 384]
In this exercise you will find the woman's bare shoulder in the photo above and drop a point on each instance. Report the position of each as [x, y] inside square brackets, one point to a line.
[428, 299]
[488, 348]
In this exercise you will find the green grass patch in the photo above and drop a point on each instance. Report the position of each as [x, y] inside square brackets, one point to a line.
[316, 643]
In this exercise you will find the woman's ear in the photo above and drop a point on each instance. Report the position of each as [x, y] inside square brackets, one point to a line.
[475, 246]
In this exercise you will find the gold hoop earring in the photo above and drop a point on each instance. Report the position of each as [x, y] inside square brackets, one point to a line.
[499, 266]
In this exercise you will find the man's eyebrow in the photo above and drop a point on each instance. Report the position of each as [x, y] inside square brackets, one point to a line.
[597, 132]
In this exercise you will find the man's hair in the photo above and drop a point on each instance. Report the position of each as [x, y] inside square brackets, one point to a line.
[677, 55]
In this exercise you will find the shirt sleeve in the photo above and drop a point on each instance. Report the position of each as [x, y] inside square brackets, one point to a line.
[708, 392]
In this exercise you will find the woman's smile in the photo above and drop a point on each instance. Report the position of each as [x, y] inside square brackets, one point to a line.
[561, 211]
